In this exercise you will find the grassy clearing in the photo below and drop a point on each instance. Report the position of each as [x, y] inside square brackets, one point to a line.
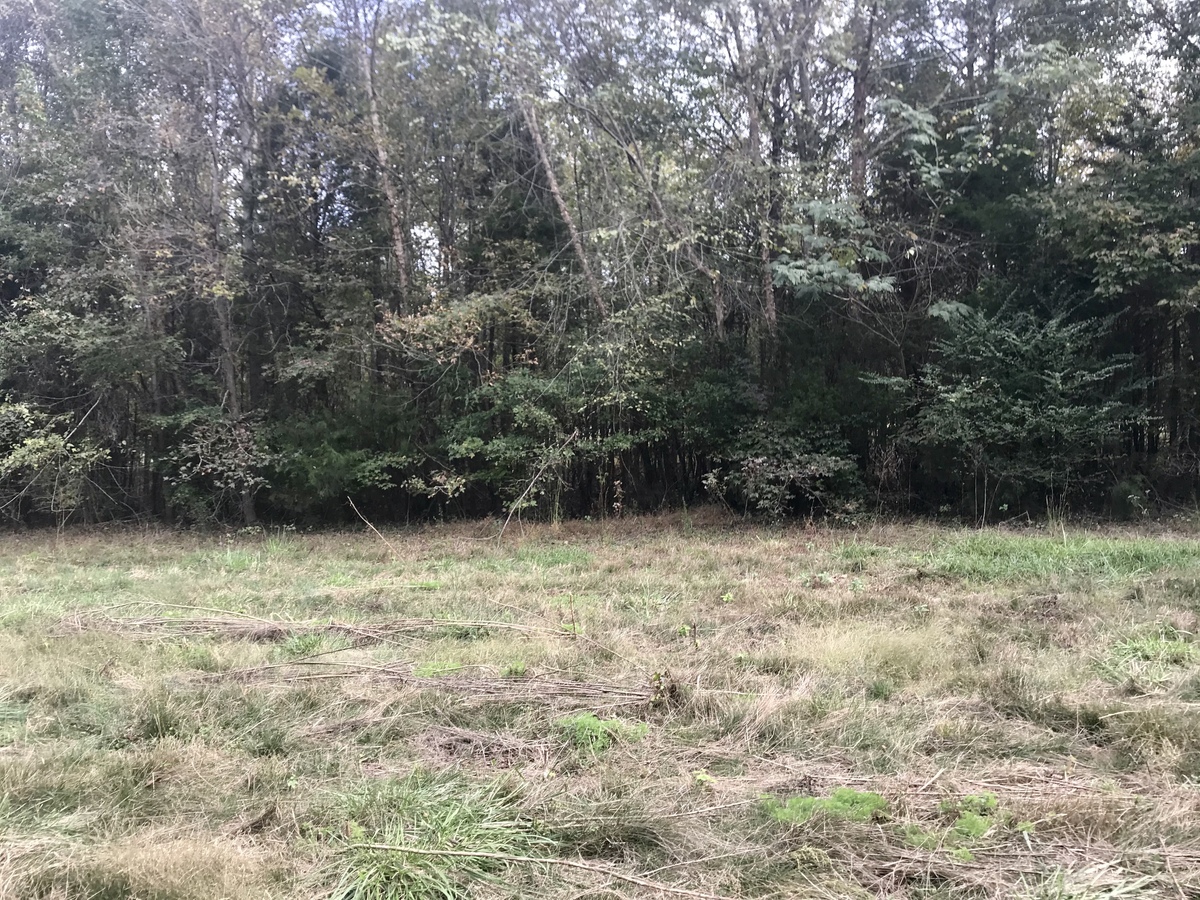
[625, 709]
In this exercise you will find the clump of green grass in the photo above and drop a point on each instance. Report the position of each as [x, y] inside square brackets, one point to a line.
[843, 803]
[855, 556]
[377, 830]
[436, 669]
[589, 734]
[997, 557]
[1150, 657]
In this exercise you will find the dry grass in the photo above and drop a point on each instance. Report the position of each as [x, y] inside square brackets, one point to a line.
[187, 716]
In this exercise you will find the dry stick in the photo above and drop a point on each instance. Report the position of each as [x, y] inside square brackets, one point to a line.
[576, 241]
[378, 533]
[359, 630]
[570, 863]
[211, 609]
[536, 475]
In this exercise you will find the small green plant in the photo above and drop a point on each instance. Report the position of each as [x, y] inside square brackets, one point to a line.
[588, 734]
[515, 669]
[971, 826]
[984, 804]
[843, 803]
[435, 669]
[916, 836]
[727, 597]
[881, 689]
[299, 645]
[703, 780]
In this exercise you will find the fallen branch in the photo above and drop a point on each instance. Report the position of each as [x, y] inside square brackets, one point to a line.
[257, 629]
[569, 863]
[526, 688]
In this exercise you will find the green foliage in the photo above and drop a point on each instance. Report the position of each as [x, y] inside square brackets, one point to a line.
[1025, 403]
[843, 803]
[974, 816]
[40, 467]
[770, 472]
[247, 315]
[515, 669]
[217, 461]
[1149, 658]
[591, 735]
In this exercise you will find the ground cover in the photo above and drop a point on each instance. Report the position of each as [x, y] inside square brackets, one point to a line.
[664, 706]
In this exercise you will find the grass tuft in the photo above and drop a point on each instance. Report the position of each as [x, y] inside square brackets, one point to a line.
[429, 812]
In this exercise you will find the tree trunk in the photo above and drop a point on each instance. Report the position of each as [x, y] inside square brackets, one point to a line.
[364, 50]
[864, 42]
[564, 211]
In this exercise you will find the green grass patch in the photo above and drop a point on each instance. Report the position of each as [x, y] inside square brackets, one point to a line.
[843, 803]
[998, 557]
[589, 734]
[1151, 657]
[374, 832]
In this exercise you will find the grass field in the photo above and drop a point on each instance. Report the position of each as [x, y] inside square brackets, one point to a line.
[656, 707]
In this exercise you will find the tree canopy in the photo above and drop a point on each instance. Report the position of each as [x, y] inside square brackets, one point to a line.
[457, 257]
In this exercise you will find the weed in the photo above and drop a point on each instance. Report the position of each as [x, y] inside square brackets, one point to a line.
[984, 804]
[300, 645]
[881, 689]
[435, 669]
[843, 803]
[970, 826]
[589, 734]
[515, 669]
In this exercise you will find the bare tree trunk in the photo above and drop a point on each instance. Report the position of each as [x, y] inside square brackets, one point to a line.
[764, 240]
[222, 299]
[864, 41]
[365, 51]
[576, 241]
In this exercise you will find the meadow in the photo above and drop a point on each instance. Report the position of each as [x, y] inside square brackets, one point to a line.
[673, 706]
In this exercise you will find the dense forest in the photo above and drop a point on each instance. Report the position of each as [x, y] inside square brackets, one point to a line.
[290, 259]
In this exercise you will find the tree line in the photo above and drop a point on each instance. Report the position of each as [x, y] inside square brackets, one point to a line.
[268, 258]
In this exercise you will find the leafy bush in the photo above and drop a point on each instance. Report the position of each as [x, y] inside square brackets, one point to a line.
[1025, 404]
[772, 472]
[40, 467]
